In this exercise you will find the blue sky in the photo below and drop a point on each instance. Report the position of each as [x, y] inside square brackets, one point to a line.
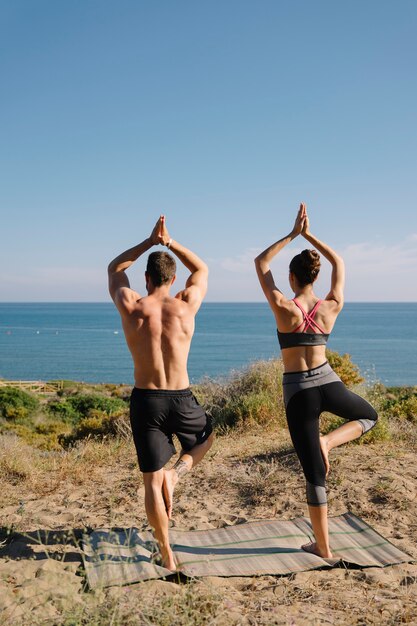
[223, 115]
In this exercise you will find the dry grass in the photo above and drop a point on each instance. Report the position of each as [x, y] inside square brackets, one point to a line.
[29, 470]
[245, 476]
[149, 605]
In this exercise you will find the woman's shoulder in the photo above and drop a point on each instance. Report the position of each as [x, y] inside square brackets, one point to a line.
[331, 305]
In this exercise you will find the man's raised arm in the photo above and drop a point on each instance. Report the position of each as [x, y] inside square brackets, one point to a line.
[119, 286]
[196, 285]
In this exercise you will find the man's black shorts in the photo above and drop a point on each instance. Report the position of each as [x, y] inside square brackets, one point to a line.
[157, 414]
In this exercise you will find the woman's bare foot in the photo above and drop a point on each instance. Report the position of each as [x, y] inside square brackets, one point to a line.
[168, 486]
[313, 548]
[324, 447]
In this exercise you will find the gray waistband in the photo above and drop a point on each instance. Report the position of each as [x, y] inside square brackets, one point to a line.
[293, 382]
[315, 373]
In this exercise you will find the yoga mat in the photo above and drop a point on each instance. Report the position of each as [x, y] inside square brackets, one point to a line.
[123, 556]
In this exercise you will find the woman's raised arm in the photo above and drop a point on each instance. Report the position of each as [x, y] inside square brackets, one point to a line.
[337, 283]
[262, 261]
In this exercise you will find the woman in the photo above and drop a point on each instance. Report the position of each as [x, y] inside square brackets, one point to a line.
[310, 385]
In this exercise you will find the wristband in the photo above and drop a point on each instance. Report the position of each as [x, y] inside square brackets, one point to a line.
[169, 243]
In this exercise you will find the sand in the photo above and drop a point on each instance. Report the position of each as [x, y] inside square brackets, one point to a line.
[245, 476]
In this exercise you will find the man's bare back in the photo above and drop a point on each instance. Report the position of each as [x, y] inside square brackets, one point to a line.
[158, 333]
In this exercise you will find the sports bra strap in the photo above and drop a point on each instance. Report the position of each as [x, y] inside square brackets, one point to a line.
[308, 318]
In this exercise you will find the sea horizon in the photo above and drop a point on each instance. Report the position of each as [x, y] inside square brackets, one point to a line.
[84, 341]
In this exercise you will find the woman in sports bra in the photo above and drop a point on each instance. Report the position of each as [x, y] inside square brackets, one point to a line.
[310, 385]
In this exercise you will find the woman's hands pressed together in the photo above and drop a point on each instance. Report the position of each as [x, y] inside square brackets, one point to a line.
[301, 221]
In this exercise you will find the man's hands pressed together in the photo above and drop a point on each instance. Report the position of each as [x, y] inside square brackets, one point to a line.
[160, 234]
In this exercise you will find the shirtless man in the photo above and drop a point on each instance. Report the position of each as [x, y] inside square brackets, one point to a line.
[158, 330]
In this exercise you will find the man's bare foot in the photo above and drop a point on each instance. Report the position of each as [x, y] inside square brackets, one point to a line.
[168, 486]
[312, 548]
[168, 560]
[325, 453]
[165, 558]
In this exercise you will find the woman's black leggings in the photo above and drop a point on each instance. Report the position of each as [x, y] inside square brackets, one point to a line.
[307, 395]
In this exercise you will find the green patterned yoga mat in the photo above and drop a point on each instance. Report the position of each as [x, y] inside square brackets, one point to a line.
[120, 557]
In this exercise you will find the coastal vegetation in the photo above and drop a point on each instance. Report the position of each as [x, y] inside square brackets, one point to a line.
[250, 398]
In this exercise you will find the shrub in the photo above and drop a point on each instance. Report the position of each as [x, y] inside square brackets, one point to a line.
[16, 403]
[84, 403]
[75, 408]
[401, 402]
[98, 424]
[252, 396]
[45, 440]
[63, 410]
[50, 427]
[347, 371]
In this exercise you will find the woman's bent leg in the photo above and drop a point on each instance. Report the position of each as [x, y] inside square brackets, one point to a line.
[344, 403]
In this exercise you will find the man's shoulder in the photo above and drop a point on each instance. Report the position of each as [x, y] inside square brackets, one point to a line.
[191, 297]
[170, 305]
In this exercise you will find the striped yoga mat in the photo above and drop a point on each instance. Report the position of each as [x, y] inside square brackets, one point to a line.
[120, 557]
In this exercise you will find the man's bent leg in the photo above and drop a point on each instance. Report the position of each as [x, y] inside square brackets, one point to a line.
[157, 514]
[188, 459]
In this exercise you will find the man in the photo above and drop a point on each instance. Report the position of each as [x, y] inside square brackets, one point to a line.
[158, 330]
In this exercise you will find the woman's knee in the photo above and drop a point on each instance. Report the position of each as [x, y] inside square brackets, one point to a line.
[369, 421]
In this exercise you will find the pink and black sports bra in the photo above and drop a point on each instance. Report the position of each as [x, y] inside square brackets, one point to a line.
[304, 338]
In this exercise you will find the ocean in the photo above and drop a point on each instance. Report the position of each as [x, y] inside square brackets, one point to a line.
[85, 342]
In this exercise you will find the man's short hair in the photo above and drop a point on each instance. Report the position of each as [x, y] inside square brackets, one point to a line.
[161, 268]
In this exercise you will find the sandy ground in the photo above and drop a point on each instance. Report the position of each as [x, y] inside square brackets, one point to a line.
[244, 477]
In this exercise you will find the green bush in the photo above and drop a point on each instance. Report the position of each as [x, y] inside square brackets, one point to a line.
[84, 403]
[45, 441]
[16, 403]
[97, 424]
[347, 371]
[401, 402]
[252, 396]
[63, 410]
[75, 408]
[51, 427]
